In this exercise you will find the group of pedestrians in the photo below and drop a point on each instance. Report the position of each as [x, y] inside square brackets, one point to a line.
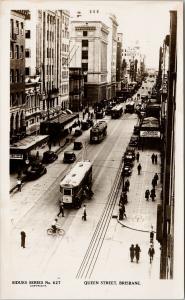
[123, 199]
[152, 193]
[154, 158]
[135, 251]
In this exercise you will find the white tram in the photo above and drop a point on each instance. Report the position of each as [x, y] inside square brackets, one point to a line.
[117, 111]
[75, 182]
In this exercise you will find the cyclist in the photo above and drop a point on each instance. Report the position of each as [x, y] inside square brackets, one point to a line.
[54, 225]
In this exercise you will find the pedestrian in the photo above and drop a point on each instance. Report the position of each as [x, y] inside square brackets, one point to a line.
[37, 155]
[121, 212]
[151, 235]
[23, 238]
[84, 216]
[124, 213]
[152, 194]
[19, 184]
[137, 251]
[151, 253]
[54, 225]
[153, 158]
[127, 185]
[132, 253]
[153, 183]
[92, 115]
[78, 122]
[137, 156]
[147, 194]
[121, 200]
[156, 177]
[61, 209]
[139, 169]
[83, 115]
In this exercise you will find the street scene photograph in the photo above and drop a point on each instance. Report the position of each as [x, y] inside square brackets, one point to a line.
[94, 205]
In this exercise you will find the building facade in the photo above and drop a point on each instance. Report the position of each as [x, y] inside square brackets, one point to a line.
[94, 49]
[76, 89]
[52, 60]
[119, 60]
[32, 78]
[17, 74]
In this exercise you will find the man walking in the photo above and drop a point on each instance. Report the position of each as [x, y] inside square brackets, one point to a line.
[137, 156]
[147, 194]
[84, 216]
[153, 158]
[151, 253]
[127, 185]
[19, 184]
[139, 169]
[153, 183]
[132, 253]
[61, 209]
[156, 177]
[23, 238]
[151, 235]
[152, 194]
[137, 252]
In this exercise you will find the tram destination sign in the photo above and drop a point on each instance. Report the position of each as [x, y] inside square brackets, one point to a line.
[148, 133]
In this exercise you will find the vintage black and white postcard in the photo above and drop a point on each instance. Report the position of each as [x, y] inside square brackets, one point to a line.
[91, 150]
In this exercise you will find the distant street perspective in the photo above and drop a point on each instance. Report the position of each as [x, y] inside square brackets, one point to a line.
[92, 165]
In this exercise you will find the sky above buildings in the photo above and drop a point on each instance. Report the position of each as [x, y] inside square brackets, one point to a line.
[147, 22]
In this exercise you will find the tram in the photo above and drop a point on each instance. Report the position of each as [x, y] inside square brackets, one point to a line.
[75, 183]
[116, 111]
[98, 132]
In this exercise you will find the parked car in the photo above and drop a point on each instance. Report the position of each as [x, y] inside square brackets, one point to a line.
[49, 157]
[78, 145]
[134, 141]
[35, 171]
[78, 132]
[129, 155]
[69, 157]
[127, 170]
[85, 125]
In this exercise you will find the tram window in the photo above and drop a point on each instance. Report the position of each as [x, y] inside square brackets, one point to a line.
[67, 192]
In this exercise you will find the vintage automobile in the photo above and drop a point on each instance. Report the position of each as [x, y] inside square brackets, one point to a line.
[49, 157]
[35, 171]
[77, 145]
[69, 157]
[85, 125]
[134, 141]
[126, 171]
[78, 132]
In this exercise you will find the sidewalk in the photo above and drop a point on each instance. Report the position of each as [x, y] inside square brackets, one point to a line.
[135, 229]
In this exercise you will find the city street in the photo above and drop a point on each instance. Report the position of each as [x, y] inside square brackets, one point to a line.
[35, 208]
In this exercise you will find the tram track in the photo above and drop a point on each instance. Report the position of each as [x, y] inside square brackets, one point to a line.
[89, 261]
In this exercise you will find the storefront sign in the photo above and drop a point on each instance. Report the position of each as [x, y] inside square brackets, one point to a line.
[16, 156]
[153, 134]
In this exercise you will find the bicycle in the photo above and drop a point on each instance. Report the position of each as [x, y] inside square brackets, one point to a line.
[59, 231]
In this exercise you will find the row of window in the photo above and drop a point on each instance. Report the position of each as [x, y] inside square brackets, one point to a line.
[16, 51]
[16, 27]
[65, 20]
[65, 48]
[16, 76]
[17, 99]
[65, 34]
[64, 74]
[64, 88]
[64, 61]
[50, 53]
[50, 35]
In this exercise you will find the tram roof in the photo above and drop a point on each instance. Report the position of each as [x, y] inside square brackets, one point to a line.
[117, 107]
[77, 173]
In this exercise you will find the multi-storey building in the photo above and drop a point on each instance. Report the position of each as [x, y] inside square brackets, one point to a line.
[32, 78]
[134, 63]
[165, 220]
[94, 48]
[119, 69]
[53, 59]
[76, 89]
[17, 74]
